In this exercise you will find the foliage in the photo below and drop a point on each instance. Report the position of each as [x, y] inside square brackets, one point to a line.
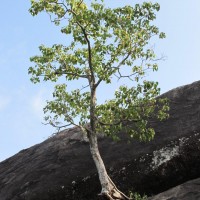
[105, 44]
[136, 196]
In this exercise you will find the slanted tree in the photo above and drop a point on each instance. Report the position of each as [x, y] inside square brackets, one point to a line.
[104, 45]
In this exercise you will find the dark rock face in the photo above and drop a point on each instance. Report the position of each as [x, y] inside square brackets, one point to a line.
[61, 167]
[187, 191]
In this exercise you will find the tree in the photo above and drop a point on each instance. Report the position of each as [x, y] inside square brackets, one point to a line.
[105, 45]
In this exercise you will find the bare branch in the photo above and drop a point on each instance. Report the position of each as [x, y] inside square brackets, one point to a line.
[163, 57]
[56, 126]
[83, 87]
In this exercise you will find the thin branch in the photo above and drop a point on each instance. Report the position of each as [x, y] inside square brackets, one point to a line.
[115, 68]
[89, 51]
[66, 73]
[135, 73]
[73, 74]
[122, 76]
[62, 17]
[80, 3]
[56, 126]
[87, 40]
[98, 82]
[116, 123]
[108, 124]
[83, 87]
[124, 59]
[159, 59]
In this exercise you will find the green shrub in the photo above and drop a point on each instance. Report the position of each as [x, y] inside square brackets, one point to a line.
[136, 196]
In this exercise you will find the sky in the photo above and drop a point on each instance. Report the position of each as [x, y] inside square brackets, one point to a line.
[21, 102]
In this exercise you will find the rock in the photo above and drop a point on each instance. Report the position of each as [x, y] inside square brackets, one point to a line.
[61, 167]
[187, 191]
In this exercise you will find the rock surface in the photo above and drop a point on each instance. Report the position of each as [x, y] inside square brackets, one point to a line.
[61, 167]
[187, 191]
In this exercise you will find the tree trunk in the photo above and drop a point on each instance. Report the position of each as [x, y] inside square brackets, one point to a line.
[109, 190]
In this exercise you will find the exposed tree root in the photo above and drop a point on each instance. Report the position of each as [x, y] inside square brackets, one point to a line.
[114, 194]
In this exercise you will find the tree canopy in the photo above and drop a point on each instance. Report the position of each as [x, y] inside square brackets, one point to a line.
[105, 42]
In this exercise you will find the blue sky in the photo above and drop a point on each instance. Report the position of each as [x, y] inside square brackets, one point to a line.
[21, 102]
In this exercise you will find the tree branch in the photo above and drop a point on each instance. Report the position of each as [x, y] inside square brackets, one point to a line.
[88, 43]
[122, 62]
[73, 74]
[56, 126]
[98, 82]
[89, 51]
[116, 123]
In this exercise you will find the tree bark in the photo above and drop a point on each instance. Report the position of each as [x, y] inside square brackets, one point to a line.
[109, 190]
